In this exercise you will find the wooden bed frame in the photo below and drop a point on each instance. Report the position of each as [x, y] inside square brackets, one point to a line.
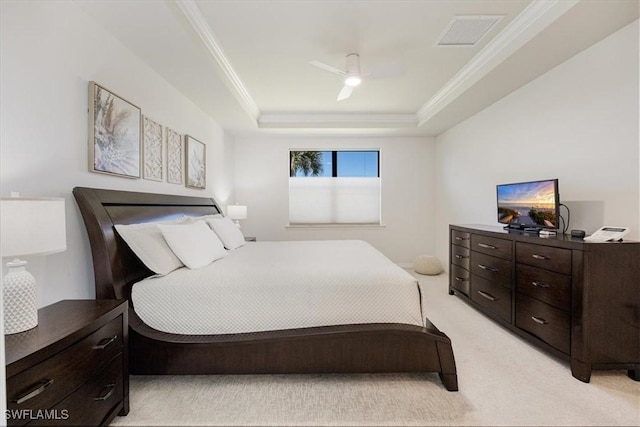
[369, 348]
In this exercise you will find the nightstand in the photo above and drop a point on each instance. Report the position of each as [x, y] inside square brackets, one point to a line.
[250, 239]
[72, 368]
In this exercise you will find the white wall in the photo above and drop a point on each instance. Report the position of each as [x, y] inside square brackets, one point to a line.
[578, 122]
[49, 53]
[407, 173]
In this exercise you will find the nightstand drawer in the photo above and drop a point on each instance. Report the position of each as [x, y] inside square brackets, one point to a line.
[94, 401]
[47, 383]
[552, 259]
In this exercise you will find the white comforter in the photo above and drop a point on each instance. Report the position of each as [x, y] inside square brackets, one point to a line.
[281, 285]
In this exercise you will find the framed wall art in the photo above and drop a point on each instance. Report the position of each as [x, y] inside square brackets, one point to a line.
[175, 157]
[196, 163]
[114, 133]
[152, 150]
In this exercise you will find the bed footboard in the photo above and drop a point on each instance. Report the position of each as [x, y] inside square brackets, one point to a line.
[373, 348]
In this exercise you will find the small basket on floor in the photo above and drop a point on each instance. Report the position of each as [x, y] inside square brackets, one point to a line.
[427, 264]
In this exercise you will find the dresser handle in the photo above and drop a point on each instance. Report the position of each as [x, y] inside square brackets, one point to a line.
[107, 391]
[105, 342]
[536, 256]
[459, 239]
[540, 284]
[487, 296]
[484, 245]
[460, 279]
[461, 257]
[33, 393]
[486, 267]
[539, 320]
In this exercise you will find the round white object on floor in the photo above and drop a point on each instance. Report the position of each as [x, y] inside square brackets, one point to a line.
[427, 264]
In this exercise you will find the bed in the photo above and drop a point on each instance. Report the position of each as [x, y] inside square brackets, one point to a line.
[365, 345]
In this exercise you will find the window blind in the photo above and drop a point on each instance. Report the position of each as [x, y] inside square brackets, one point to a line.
[334, 200]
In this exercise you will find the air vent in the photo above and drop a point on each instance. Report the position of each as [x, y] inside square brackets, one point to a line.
[467, 30]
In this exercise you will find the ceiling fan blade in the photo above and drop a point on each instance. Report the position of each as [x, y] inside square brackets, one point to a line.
[345, 92]
[328, 68]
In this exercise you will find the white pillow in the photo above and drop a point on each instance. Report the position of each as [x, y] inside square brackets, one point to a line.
[227, 231]
[146, 241]
[194, 243]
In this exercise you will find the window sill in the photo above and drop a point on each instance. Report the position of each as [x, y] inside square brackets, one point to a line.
[334, 226]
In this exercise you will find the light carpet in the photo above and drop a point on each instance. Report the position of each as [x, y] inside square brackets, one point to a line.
[503, 381]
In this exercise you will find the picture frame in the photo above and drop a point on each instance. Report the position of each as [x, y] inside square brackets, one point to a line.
[152, 150]
[195, 163]
[175, 157]
[115, 133]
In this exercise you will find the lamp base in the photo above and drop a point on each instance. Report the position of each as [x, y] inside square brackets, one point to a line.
[20, 301]
[237, 223]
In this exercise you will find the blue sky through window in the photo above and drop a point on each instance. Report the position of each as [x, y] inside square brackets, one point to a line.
[350, 164]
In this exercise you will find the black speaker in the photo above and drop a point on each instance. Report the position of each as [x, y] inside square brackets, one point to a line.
[578, 233]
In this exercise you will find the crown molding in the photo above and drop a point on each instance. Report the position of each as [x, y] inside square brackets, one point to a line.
[531, 21]
[193, 14]
[337, 121]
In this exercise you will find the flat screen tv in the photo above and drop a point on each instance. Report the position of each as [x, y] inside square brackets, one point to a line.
[534, 204]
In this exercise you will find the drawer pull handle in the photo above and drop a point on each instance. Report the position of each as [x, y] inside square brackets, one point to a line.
[104, 343]
[487, 296]
[107, 391]
[484, 245]
[460, 279]
[536, 256]
[539, 320]
[459, 239]
[461, 257]
[33, 393]
[486, 267]
[539, 284]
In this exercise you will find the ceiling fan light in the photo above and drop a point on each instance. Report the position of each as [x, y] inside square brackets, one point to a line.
[352, 81]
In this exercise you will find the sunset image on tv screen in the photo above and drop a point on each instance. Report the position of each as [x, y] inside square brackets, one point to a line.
[531, 203]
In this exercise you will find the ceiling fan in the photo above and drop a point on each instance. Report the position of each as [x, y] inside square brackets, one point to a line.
[352, 76]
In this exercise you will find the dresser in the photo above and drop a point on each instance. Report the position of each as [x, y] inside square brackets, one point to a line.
[72, 368]
[577, 300]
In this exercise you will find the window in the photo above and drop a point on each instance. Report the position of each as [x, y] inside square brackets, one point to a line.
[334, 187]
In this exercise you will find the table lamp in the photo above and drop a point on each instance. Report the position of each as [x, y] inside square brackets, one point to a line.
[27, 227]
[237, 212]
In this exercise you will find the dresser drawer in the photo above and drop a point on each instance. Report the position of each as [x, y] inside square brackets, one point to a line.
[460, 238]
[459, 279]
[552, 259]
[493, 298]
[92, 402]
[548, 323]
[500, 248]
[47, 383]
[460, 256]
[546, 286]
[496, 270]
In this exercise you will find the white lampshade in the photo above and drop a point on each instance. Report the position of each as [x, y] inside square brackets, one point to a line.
[27, 227]
[32, 226]
[237, 212]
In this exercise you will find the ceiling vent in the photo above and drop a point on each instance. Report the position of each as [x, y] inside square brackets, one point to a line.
[467, 30]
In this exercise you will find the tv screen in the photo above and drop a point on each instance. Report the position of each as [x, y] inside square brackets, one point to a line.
[532, 204]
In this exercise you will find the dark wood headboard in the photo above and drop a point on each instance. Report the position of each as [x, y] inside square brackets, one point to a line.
[115, 266]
